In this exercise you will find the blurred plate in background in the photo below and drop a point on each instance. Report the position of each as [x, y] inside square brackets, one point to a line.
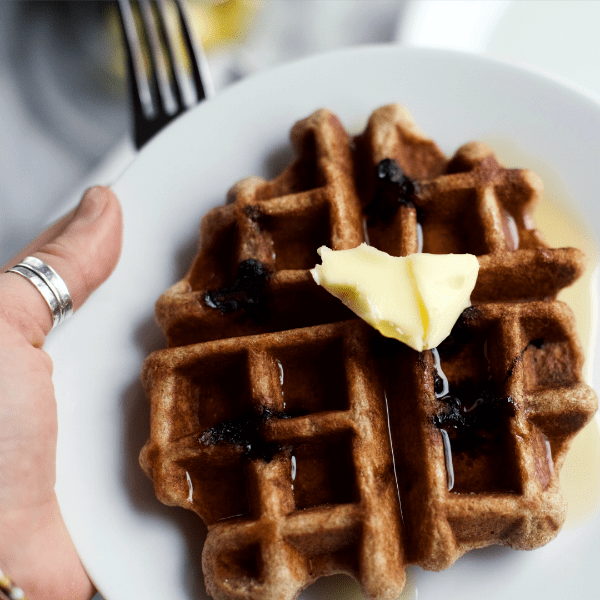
[557, 38]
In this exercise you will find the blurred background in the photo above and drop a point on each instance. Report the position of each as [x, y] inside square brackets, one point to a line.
[65, 120]
[64, 115]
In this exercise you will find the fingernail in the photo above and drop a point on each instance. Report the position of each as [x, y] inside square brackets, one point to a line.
[92, 204]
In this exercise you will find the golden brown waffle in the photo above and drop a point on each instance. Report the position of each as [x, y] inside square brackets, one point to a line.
[271, 420]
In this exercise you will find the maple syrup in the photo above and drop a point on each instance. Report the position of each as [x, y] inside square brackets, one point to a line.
[561, 227]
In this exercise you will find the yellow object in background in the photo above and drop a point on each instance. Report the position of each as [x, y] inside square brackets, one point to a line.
[222, 22]
[218, 24]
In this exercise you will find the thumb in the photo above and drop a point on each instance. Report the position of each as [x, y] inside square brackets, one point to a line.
[83, 248]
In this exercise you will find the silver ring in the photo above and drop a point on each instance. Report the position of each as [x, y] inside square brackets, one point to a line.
[50, 285]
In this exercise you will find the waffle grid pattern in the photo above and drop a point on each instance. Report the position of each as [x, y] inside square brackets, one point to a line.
[273, 529]
[347, 505]
[513, 490]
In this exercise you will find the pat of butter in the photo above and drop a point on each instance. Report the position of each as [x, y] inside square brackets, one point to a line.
[416, 299]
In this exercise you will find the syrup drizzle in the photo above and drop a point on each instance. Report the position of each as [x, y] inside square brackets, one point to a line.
[190, 497]
[231, 517]
[419, 237]
[293, 470]
[365, 232]
[387, 412]
[549, 458]
[445, 390]
[280, 366]
[461, 413]
[442, 380]
[448, 457]
[511, 231]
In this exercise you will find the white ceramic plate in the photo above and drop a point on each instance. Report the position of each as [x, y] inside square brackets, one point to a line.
[134, 547]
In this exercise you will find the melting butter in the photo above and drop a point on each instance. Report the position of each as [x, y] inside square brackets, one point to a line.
[416, 299]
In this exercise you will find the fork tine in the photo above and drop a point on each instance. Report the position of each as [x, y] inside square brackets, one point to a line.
[161, 83]
[156, 98]
[141, 96]
[175, 65]
[202, 82]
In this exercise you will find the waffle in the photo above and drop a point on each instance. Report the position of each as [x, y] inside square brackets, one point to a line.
[311, 445]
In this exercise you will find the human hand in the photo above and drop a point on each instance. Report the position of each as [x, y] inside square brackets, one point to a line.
[35, 547]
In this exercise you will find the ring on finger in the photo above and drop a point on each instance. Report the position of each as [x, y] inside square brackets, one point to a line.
[50, 285]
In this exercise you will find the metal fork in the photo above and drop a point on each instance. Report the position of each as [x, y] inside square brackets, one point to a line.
[157, 93]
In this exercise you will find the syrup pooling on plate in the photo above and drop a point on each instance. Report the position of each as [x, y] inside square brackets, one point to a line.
[580, 474]
[563, 226]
